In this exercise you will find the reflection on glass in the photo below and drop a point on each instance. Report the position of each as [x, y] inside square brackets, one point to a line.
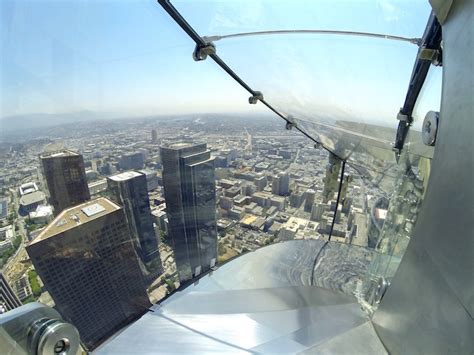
[125, 215]
[189, 190]
[400, 217]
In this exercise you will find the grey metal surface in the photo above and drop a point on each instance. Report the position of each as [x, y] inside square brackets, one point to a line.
[36, 329]
[441, 8]
[429, 307]
[261, 302]
[359, 340]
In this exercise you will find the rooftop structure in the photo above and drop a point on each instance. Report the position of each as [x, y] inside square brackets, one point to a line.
[31, 201]
[27, 188]
[42, 214]
[72, 217]
[97, 186]
[125, 176]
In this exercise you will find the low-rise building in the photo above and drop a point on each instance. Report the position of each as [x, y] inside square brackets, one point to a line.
[42, 215]
[6, 237]
[31, 201]
[22, 288]
[28, 188]
[97, 186]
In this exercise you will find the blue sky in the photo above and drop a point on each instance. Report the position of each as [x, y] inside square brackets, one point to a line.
[129, 57]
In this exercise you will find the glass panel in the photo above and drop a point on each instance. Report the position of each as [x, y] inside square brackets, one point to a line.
[128, 171]
[211, 17]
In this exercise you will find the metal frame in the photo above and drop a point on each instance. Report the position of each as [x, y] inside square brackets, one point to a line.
[202, 43]
[431, 41]
[415, 41]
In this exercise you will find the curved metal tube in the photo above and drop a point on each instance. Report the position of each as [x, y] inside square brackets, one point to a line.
[416, 41]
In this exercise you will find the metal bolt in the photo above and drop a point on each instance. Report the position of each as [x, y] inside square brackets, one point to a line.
[430, 128]
[62, 346]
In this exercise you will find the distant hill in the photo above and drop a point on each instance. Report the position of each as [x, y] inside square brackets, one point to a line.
[40, 120]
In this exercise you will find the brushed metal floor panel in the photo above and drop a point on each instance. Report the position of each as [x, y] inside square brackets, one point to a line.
[359, 340]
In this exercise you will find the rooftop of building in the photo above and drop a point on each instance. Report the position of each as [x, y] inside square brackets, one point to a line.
[158, 212]
[98, 182]
[74, 216]
[28, 187]
[125, 176]
[248, 219]
[33, 197]
[148, 172]
[262, 194]
[42, 211]
[181, 145]
[57, 154]
[130, 154]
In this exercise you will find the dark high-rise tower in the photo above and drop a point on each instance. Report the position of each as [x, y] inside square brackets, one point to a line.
[8, 298]
[154, 135]
[129, 190]
[65, 176]
[135, 160]
[86, 260]
[189, 184]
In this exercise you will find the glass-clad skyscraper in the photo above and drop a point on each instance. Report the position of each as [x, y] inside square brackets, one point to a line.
[8, 299]
[129, 190]
[87, 262]
[65, 176]
[189, 184]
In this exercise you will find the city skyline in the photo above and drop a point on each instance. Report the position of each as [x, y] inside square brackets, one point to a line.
[254, 176]
[244, 187]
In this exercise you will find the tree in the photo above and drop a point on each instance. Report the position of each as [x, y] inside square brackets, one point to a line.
[34, 283]
[170, 285]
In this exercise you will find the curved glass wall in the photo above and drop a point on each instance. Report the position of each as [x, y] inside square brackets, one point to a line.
[128, 171]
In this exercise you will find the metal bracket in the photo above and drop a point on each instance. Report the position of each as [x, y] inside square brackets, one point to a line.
[255, 97]
[202, 51]
[403, 126]
[433, 55]
[403, 117]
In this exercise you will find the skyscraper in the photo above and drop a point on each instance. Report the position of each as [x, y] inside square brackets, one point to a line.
[309, 200]
[86, 260]
[134, 160]
[189, 184]
[154, 135]
[65, 176]
[317, 212]
[281, 184]
[8, 298]
[130, 191]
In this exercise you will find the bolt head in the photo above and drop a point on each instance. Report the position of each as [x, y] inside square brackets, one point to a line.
[430, 128]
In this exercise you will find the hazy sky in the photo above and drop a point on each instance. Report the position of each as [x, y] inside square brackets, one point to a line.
[130, 57]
